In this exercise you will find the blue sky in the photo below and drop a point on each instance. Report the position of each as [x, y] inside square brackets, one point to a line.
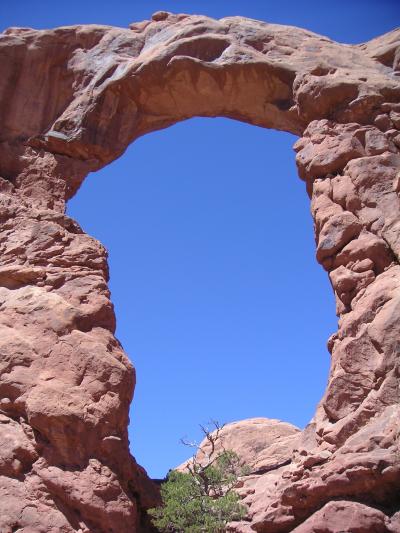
[219, 300]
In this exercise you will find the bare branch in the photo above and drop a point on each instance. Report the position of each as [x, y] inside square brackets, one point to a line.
[189, 443]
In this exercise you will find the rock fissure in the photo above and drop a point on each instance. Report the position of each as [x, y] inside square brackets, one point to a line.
[73, 99]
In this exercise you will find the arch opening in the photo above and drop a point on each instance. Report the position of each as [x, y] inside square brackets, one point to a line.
[213, 276]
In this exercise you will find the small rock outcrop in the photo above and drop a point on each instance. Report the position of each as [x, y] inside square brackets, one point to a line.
[262, 444]
[71, 100]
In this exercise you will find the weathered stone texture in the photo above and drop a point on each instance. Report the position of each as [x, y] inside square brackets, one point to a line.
[72, 99]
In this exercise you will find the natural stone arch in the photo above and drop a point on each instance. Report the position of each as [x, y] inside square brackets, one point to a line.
[73, 99]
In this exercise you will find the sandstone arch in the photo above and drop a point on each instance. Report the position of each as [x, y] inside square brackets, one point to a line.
[72, 100]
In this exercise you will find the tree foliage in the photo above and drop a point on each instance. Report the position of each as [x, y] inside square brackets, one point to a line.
[201, 499]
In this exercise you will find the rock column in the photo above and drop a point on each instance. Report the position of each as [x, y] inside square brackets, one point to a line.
[65, 382]
[351, 449]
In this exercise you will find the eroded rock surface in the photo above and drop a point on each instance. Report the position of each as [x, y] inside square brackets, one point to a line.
[72, 99]
[262, 444]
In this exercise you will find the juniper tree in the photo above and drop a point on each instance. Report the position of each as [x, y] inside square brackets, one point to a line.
[201, 499]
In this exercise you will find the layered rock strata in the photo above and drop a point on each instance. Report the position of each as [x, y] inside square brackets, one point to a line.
[72, 99]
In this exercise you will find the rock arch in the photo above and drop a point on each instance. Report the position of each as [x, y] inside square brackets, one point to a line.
[73, 98]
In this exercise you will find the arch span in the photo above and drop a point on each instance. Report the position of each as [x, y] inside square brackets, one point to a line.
[73, 99]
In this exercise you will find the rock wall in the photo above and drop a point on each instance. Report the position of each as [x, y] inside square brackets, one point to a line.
[347, 460]
[72, 99]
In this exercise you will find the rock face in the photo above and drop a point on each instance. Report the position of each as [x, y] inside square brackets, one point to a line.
[72, 99]
[262, 444]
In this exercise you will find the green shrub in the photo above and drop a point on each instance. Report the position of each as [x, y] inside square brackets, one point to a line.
[201, 500]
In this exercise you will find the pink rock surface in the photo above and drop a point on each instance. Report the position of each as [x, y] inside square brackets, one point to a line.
[72, 99]
[338, 517]
[262, 444]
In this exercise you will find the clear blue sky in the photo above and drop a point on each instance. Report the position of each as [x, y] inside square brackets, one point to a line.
[220, 303]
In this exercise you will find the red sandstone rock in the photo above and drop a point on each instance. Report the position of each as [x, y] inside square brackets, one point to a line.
[340, 517]
[73, 98]
[262, 444]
